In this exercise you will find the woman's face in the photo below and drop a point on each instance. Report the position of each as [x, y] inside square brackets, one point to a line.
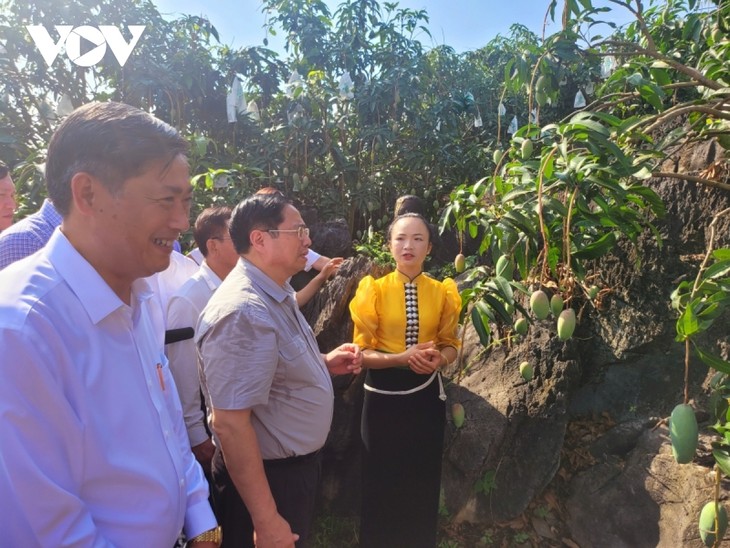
[409, 242]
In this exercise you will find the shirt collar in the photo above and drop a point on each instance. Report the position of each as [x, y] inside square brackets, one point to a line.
[211, 278]
[405, 279]
[264, 281]
[49, 213]
[95, 295]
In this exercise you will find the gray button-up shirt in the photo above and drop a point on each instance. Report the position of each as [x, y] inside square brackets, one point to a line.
[256, 351]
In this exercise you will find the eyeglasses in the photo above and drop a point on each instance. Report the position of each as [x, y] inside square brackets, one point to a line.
[301, 232]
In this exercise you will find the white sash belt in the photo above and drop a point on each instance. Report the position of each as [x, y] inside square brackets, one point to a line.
[435, 374]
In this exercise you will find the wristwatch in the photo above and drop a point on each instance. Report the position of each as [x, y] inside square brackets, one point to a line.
[211, 535]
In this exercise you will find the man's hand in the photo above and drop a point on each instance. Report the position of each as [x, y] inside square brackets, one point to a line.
[346, 358]
[204, 454]
[274, 533]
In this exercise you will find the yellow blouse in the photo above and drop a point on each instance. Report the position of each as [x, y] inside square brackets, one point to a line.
[379, 312]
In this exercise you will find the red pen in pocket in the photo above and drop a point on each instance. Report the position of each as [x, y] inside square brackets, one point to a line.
[159, 375]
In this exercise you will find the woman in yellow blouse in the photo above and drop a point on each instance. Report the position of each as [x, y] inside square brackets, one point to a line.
[406, 322]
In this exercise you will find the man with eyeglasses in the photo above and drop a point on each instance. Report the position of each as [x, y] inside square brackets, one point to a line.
[266, 383]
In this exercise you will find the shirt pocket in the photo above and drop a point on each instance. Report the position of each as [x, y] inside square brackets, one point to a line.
[167, 384]
[293, 348]
[293, 356]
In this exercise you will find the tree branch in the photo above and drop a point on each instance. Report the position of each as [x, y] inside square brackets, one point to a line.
[679, 67]
[691, 178]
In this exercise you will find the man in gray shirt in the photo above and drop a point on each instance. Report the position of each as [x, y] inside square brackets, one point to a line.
[267, 384]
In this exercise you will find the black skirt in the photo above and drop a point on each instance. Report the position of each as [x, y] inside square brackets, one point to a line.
[402, 439]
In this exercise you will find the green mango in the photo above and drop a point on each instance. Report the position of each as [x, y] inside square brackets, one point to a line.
[556, 304]
[708, 533]
[497, 156]
[566, 324]
[526, 149]
[457, 413]
[684, 433]
[504, 267]
[521, 326]
[539, 304]
[593, 292]
[526, 371]
[459, 263]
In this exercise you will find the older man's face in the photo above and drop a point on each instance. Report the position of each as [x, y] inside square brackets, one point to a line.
[289, 249]
[7, 202]
[141, 222]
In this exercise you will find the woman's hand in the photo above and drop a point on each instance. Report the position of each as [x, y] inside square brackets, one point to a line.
[424, 358]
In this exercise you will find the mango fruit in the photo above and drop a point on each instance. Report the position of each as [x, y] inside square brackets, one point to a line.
[592, 292]
[708, 534]
[566, 324]
[526, 149]
[556, 304]
[526, 371]
[457, 413]
[539, 304]
[497, 155]
[683, 433]
[459, 263]
[504, 267]
[521, 326]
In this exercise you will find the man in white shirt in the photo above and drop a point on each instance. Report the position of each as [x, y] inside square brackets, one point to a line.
[94, 449]
[212, 238]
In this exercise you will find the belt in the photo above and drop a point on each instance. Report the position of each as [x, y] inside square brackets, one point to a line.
[297, 459]
[435, 374]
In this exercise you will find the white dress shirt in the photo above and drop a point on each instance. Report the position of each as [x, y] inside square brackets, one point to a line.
[93, 449]
[167, 282]
[312, 257]
[182, 311]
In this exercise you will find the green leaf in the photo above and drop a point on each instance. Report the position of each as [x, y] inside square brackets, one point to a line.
[480, 321]
[635, 79]
[597, 249]
[722, 458]
[687, 324]
[505, 289]
[717, 270]
[653, 95]
[713, 361]
[553, 258]
[498, 307]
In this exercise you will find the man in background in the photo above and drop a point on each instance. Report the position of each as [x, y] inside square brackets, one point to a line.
[212, 238]
[7, 197]
[94, 449]
[29, 234]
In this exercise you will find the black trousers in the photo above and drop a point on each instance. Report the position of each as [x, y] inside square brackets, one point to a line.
[293, 482]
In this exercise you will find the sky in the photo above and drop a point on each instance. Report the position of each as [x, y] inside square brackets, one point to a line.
[462, 24]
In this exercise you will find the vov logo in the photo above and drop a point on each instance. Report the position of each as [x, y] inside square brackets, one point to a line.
[98, 38]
